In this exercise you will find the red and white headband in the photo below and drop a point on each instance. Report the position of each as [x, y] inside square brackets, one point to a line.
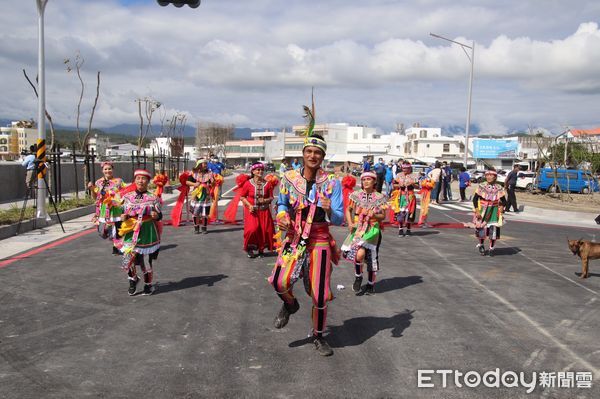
[142, 172]
[368, 175]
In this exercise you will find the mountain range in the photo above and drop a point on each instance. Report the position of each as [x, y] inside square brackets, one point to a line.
[242, 133]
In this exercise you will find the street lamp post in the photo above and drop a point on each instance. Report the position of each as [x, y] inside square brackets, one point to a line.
[472, 59]
[41, 192]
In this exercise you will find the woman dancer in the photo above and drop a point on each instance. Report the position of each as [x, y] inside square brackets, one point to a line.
[140, 230]
[202, 183]
[489, 201]
[365, 212]
[256, 194]
[404, 201]
[108, 209]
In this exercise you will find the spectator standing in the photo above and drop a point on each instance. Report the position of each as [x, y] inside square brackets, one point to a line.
[436, 176]
[464, 181]
[282, 168]
[379, 169]
[447, 181]
[366, 165]
[29, 165]
[511, 183]
[296, 165]
[216, 166]
[389, 177]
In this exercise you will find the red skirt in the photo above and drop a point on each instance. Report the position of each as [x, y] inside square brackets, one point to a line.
[258, 230]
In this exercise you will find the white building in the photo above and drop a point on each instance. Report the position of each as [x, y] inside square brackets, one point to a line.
[427, 144]
[345, 142]
[191, 151]
[121, 150]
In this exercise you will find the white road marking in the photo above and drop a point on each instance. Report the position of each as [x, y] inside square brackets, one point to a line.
[558, 274]
[517, 311]
[459, 207]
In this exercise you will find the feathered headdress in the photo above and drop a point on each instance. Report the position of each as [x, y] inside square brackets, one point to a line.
[310, 140]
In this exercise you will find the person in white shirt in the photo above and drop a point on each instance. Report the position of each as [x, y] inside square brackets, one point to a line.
[436, 175]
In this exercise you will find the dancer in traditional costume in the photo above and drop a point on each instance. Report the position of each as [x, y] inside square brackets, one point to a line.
[425, 192]
[108, 210]
[160, 180]
[256, 194]
[404, 201]
[140, 232]
[202, 184]
[365, 213]
[489, 201]
[309, 200]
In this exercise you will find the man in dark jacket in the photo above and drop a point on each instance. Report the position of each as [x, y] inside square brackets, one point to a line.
[511, 183]
[380, 171]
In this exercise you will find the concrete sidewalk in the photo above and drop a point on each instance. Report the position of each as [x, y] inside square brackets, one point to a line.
[34, 238]
[554, 217]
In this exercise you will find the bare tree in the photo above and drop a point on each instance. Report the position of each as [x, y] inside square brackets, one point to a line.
[77, 64]
[89, 129]
[34, 87]
[150, 106]
[212, 137]
[545, 154]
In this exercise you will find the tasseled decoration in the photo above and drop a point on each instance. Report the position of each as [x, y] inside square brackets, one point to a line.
[231, 211]
[183, 192]
[348, 184]
[160, 181]
[216, 190]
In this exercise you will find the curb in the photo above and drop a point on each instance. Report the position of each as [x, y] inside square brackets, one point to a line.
[10, 230]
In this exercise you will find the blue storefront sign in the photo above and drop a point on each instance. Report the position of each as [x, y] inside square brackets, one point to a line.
[495, 149]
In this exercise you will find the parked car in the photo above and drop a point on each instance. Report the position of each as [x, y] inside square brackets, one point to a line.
[502, 176]
[579, 181]
[526, 180]
[477, 176]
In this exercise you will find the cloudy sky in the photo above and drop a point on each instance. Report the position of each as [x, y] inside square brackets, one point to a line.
[253, 62]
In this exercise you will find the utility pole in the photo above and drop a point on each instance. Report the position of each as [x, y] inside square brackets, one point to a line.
[41, 142]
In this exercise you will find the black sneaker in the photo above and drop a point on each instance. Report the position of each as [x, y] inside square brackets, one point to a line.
[408, 233]
[401, 233]
[132, 286]
[148, 290]
[261, 255]
[357, 284]
[204, 230]
[115, 251]
[284, 314]
[482, 250]
[370, 289]
[491, 252]
[250, 254]
[322, 347]
[196, 229]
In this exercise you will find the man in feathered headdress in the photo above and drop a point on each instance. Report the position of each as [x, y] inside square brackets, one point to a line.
[309, 200]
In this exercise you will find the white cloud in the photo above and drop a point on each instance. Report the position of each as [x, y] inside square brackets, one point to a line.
[253, 63]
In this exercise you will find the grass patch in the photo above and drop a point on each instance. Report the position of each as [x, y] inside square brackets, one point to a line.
[12, 215]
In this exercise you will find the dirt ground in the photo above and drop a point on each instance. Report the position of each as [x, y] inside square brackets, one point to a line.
[571, 202]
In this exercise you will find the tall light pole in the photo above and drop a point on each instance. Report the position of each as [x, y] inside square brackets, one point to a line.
[41, 153]
[472, 59]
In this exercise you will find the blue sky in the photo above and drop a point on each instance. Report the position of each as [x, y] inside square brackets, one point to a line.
[252, 63]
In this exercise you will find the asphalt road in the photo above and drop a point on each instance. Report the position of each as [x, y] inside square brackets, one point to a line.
[68, 329]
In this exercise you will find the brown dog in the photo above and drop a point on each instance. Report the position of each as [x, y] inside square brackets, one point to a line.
[586, 250]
